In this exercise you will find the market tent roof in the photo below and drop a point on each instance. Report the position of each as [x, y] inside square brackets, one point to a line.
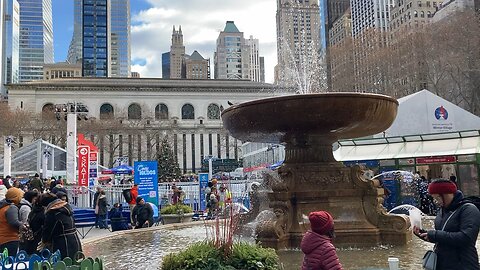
[122, 169]
[424, 112]
[455, 143]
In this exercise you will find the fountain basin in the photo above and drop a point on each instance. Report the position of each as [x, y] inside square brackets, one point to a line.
[329, 115]
[311, 179]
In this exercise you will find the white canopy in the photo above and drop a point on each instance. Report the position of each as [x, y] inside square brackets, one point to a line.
[455, 143]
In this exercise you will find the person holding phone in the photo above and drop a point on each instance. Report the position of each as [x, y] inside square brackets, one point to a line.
[456, 228]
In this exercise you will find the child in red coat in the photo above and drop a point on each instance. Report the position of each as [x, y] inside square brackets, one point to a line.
[317, 244]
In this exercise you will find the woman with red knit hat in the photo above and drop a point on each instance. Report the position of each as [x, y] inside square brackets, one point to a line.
[456, 228]
[320, 254]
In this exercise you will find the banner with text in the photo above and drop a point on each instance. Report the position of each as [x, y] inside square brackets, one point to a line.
[83, 165]
[93, 168]
[203, 184]
[146, 177]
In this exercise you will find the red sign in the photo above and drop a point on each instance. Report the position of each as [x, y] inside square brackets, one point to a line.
[83, 164]
[442, 159]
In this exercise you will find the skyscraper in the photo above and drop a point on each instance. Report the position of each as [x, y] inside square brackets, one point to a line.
[370, 14]
[75, 48]
[177, 55]
[253, 45]
[96, 39]
[117, 15]
[197, 67]
[232, 56]
[298, 35]
[330, 11]
[36, 38]
[11, 36]
[120, 38]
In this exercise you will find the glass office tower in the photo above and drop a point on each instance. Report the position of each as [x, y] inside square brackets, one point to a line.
[11, 41]
[120, 38]
[36, 38]
[95, 38]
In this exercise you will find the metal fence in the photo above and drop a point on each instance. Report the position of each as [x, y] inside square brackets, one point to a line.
[82, 197]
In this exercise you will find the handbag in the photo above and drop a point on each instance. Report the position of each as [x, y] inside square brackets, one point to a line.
[430, 258]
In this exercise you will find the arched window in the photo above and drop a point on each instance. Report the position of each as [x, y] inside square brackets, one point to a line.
[134, 112]
[422, 14]
[213, 112]
[48, 108]
[188, 112]
[161, 112]
[429, 14]
[415, 14]
[106, 111]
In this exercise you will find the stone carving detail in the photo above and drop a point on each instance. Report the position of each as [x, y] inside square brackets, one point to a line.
[277, 227]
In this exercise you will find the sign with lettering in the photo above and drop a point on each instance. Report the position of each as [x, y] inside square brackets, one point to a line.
[83, 165]
[93, 168]
[203, 183]
[146, 177]
[440, 159]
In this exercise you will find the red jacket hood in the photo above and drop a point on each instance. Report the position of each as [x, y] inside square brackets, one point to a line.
[312, 240]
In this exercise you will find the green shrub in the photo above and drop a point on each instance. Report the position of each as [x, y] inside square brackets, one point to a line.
[204, 255]
[176, 209]
[251, 256]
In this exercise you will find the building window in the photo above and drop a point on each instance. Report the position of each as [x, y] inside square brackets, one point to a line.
[188, 112]
[106, 111]
[213, 112]
[134, 112]
[161, 112]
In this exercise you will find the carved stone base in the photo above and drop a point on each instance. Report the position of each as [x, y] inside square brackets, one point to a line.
[354, 202]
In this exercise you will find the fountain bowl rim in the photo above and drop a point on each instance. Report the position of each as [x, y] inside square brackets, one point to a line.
[308, 96]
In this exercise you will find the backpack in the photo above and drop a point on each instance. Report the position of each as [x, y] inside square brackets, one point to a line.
[127, 195]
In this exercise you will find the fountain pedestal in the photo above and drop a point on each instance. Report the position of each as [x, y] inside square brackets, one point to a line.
[310, 179]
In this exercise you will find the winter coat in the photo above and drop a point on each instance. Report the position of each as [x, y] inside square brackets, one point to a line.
[141, 214]
[59, 187]
[456, 243]
[9, 222]
[24, 210]
[36, 219]
[319, 252]
[118, 222]
[37, 184]
[95, 199]
[102, 205]
[134, 193]
[3, 192]
[59, 229]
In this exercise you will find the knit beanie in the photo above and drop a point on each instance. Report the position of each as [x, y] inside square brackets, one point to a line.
[321, 222]
[139, 199]
[442, 187]
[14, 195]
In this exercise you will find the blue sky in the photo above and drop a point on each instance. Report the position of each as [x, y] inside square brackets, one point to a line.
[201, 20]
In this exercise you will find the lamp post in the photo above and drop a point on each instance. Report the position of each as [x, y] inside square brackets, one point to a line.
[46, 155]
[71, 112]
[7, 155]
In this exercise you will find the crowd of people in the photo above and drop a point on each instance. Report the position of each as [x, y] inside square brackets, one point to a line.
[35, 215]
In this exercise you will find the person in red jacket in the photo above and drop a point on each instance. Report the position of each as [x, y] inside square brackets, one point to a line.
[317, 244]
[133, 201]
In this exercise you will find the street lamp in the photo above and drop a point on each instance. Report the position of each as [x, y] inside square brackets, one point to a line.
[71, 111]
[46, 155]
[7, 155]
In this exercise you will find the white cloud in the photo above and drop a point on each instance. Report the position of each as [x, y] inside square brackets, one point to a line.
[201, 23]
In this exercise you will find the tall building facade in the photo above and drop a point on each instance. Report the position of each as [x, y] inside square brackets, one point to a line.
[232, 56]
[330, 11]
[36, 38]
[370, 14]
[254, 64]
[11, 38]
[166, 65]
[298, 33]
[177, 55]
[197, 67]
[75, 48]
[96, 49]
[120, 38]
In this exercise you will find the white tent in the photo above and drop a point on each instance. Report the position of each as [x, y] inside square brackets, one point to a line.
[426, 113]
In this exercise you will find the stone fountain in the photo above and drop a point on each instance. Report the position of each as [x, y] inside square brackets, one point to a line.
[310, 178]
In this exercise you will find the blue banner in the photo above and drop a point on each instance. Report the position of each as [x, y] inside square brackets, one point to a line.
[146, 177]
[203, 183]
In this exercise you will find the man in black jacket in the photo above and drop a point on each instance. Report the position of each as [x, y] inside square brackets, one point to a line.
[455, 240]
[142, 214]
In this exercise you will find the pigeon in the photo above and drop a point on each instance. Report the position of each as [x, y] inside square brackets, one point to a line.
[229, 103]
